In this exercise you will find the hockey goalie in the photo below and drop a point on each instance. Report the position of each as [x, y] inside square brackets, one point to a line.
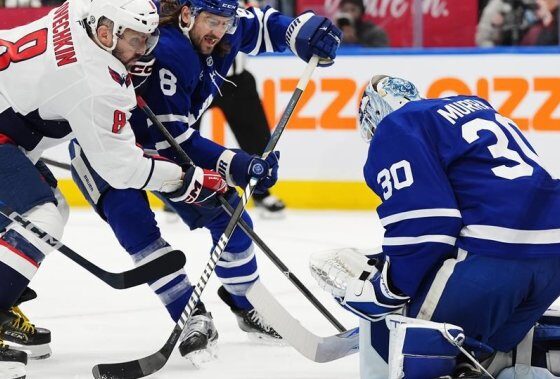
[469, 268]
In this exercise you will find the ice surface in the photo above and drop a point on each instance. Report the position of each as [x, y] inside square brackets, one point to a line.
[93, 323]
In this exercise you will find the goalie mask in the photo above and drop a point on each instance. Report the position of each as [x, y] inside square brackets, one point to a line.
[383, 95]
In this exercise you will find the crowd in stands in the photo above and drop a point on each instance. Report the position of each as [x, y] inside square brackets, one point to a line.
[501, 22]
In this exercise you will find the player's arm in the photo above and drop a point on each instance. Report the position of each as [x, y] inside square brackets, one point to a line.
[421, 221]
[267, 30]
[419, 210]
[100, 124]
[169, 105]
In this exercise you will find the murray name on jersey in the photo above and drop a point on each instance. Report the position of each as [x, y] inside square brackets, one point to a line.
[426, 162]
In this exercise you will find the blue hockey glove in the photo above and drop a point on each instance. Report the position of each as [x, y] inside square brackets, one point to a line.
[370, 295]
[309, 35]
[237, 167]
[199, 187]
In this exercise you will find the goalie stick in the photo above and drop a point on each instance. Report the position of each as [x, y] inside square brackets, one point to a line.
[316, 348]
[149, 272]
[148, 365]
[184, 158]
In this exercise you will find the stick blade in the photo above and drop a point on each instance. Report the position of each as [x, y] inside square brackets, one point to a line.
[316, 348]
[153, 270]
[130, 370]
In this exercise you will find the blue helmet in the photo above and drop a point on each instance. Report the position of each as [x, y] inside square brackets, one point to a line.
[224, 8]
[383, 95]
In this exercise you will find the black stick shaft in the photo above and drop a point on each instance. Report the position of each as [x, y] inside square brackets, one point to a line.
[151, 271]
[184, 158]
[148, 365]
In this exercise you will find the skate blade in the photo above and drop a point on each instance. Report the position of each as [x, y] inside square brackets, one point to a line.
[12, 370]
[263, 339]
[268, 215]
[34, 352]
[199, 358]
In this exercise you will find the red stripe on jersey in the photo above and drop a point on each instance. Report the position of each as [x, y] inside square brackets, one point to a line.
[18, 252]
[4, 139]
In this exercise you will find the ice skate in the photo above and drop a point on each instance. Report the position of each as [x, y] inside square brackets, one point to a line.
[251, 322]
[199, 342]
[21, 334]
[269, 207]
[12, 362]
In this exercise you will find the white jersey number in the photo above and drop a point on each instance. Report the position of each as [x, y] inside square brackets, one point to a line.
[398, 176]
[168, 82]
[504, 130]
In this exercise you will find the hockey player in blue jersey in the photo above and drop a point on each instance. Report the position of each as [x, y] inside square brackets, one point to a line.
[472, 233]
[198, 43]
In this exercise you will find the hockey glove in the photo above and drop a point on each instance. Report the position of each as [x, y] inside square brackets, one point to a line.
[309, 35]
[237, 168]
[199, 187]
[370, 295]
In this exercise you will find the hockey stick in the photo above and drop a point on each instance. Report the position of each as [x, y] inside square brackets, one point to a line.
[316, 348]
[152, 363]
[242, 223]
[184, 158]
[62, 165]
[149, 272]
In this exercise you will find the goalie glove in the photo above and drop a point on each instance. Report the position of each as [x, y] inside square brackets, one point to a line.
[237, 167]
[358, 282]
[199, 187]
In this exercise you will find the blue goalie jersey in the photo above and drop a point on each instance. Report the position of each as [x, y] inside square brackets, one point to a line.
[184, 81]
[453, 173]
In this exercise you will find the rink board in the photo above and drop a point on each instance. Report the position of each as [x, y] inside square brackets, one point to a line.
[322, 151]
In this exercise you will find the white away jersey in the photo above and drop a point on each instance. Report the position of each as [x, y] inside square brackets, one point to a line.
[454, 173]
[54, 81]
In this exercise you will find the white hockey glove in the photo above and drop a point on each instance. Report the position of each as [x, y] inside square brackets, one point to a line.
[358, 282]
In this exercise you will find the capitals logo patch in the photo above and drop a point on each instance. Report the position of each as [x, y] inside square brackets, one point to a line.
[121, 79]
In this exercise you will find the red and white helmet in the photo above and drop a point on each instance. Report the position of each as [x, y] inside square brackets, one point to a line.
[138, 15]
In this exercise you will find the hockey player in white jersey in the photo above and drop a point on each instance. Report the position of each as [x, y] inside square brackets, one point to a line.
[198, 44]
[63, 75]
[471, 244]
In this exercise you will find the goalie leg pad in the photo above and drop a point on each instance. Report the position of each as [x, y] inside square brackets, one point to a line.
[422, 349]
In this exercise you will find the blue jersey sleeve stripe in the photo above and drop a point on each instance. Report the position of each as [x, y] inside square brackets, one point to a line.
[420, 213]
[180, 139]
[259, 16]
[437, 238]
[267, 41]
[507, 235]
[170, 118]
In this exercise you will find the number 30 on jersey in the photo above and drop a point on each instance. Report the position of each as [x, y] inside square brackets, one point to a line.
[398, 176]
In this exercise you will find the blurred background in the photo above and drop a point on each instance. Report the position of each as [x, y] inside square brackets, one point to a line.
[503, 50]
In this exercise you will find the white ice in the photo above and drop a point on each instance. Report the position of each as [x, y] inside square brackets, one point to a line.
[92, 323]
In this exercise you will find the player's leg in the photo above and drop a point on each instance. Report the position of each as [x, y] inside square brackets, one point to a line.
[26, 190]
[482, 294]
[129, 215]
[237, 270]
[251, 130]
